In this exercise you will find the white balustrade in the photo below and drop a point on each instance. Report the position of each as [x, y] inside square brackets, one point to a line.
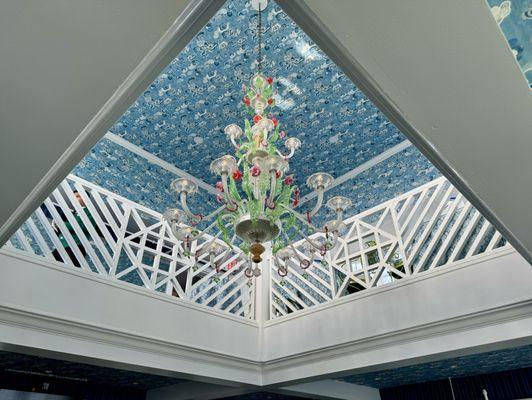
[430, 227]
[106, 234]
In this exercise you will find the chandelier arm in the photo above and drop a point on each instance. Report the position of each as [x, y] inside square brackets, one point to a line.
[234, 142]
[184, 206]
[289, 155]
[339, 215]
[308, 240]
[226, 189]
[336, 235]
[273, 187]
[214, 213]
[291, 244]
[319, 202]
[204, 232]
[302, 219]
[224, 256]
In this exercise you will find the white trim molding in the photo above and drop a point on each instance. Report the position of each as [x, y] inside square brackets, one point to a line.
[140, 330]
[429, 318]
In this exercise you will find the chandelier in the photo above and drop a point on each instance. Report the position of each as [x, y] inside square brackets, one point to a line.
[257, 195]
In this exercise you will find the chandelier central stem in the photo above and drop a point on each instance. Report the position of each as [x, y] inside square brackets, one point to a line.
[258, 197]
[259, 59]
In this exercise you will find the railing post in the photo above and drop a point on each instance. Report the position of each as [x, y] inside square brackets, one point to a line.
[262, 288]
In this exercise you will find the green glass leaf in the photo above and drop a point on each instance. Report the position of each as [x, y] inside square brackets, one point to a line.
[254, 209]
[244, 247]
[278, 245]
[233, 191]
[246, 185]
[247, 130]
[275, 134]
[221, 226]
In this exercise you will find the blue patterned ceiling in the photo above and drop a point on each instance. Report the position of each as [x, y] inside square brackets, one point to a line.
[515, 19]
[475, 364]
[28, 366]
[181, 116]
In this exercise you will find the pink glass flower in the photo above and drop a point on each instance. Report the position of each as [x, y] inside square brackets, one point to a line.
[288, 180]
[255, 171]
[237, 175]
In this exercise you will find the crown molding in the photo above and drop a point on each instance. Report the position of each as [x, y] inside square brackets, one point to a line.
[304, 367]
[120, 285]
[79, 336]
[27, 329]
[457, 266]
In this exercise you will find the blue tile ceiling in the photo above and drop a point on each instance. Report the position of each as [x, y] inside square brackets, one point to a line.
[117, 169]
[515, 19]
[181, 115]
[476, 364]
[388, 179]
[29, 367]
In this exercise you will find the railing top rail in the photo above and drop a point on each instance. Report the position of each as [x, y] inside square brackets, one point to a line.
[397, 199]
[429, 227]
[108, 193]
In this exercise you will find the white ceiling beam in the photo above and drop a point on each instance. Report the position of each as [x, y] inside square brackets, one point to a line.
[361, 168]
[195, 390]
[158, 161]
[332, 389]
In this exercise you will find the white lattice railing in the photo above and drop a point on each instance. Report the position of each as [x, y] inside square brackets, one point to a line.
[430, 227]
[106, 234]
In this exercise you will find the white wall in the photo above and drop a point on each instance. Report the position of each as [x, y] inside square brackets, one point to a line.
[474, 307]
[488, 303]
[65, 310]
[443, 72]
[62, 60]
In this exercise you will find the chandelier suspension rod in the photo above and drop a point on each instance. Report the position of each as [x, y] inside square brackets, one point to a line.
[259, 60]
[273, 187]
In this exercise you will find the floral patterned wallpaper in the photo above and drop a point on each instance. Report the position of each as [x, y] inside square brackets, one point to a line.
[181, 116]
[515, 19]
[475, 364]
[398, 174]
[117, 169]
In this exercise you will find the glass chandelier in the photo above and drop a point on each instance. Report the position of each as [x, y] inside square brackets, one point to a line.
[257, 195]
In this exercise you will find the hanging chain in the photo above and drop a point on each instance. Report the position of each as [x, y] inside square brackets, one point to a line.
[259, 60]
